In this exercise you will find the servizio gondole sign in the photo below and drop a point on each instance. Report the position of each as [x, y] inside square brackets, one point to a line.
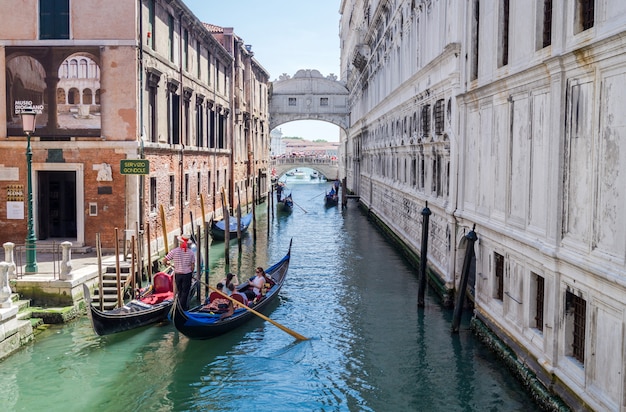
[135, 167]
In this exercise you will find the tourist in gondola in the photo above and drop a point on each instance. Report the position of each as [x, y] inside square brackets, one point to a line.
[256, 283]
[230, 278]
[184, 262]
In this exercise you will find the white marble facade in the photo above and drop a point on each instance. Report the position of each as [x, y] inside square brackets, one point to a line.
[514, 125]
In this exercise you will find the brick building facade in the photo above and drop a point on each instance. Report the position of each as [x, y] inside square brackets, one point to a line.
[135, 80]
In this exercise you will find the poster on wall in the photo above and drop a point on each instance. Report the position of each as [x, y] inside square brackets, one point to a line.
[61, 83]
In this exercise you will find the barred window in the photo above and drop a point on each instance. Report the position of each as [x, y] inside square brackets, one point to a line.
[172, 190]
[575, 325]
[426, 120]
[292, 101]
[439, 117]
[499, 273]
[539, 300]
[153, 194]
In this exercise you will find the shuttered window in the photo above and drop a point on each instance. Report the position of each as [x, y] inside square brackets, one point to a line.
[54, 19]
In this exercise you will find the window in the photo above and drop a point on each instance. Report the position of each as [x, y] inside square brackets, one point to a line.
[547, 23]
[151, 25]
[422, 172]
[170, 38]
[54, 19]
[575, 326]
[153, 83]
[539, 287]
[585, 12]
[208, 67]
[208, 183]
[199, 123]
[323, 101]
[503, 59]
[439, 116]
[173, 118]
[172, 190]
[499, 274]
[186, 187]
[198, 58]
[186, 50]
[426, 120]
[474, 42]
[292, 101]
[153, 194]
[199, 185]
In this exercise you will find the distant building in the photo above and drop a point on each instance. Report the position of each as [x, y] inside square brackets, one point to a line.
[301, 147]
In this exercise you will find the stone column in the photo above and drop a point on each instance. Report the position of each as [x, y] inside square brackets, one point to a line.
[66, 262]
[5, 290]
[9, 247]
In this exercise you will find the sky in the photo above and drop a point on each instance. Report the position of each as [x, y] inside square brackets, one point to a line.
[286, 36]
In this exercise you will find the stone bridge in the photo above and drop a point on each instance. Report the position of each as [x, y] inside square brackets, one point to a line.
[309, 96]
[329, 167]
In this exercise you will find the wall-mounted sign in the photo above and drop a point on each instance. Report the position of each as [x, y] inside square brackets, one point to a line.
[15, 210]
[135, 167]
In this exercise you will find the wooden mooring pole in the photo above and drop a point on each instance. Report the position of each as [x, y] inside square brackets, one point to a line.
[423, 256]
[460, 295]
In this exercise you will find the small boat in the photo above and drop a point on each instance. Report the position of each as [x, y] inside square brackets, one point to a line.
[331, 199]
[315, 175]
[200, 323]
[151, 307]
[218, 228]
[298, 174]
[290, 174]
[285, 204]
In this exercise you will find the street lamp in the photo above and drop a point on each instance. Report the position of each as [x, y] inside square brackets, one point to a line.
[28, 125]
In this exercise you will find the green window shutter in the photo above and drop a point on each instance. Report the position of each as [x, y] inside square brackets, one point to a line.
[54, 19]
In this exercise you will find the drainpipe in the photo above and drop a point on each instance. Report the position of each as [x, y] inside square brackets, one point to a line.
[141, 124]
[180, 120]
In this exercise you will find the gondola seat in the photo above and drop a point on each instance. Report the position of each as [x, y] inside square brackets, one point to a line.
[163, 283]
[163, 289]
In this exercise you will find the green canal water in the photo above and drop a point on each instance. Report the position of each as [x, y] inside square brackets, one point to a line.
[348, 290]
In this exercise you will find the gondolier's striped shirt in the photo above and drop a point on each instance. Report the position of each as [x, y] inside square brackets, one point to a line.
[183, 260]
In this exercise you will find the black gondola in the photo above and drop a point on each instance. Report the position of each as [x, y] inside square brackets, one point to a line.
[199, 323]
[152, 307]
[331, 199]
[285, 204]
[218, 228]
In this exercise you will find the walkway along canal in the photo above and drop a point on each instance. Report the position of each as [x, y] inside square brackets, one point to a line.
[348, 289]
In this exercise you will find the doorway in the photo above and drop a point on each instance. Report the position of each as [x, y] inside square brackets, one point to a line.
[56, 204]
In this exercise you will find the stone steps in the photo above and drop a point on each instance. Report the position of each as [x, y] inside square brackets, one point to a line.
[109, 287]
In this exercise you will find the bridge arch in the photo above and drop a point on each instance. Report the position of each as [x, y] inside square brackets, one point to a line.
[309, 96]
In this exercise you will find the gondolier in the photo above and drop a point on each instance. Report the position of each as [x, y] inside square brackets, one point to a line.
[184, 262]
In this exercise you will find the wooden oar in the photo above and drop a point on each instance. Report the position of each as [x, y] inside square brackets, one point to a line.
[262, 316]
[299, 206]
[316, 196]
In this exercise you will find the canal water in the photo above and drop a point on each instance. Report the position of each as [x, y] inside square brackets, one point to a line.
[348, 290]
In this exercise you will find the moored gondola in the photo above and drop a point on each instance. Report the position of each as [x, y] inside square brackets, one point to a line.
[218, 229]
[152, 307]
[203, 323]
